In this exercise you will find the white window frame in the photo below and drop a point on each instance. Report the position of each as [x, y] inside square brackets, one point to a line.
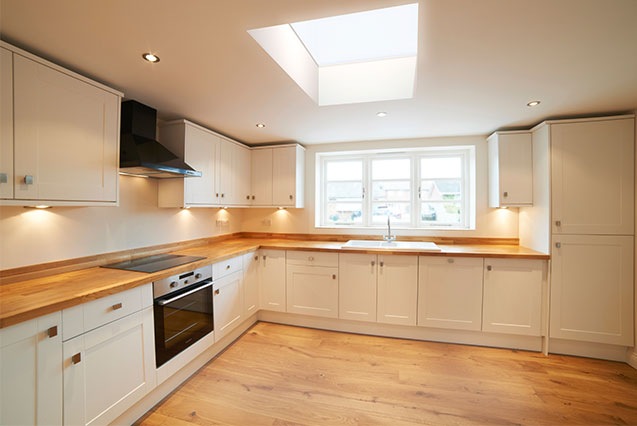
[468, 205]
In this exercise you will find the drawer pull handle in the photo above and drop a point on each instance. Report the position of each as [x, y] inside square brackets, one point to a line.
[52, 332]
[117, 306]
[489, 268]
[450, 260]
[28, 180]
[77, 358]
[217, 291]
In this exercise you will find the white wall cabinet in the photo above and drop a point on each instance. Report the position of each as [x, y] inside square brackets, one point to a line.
[6, 124]
[272, 280]
[358, 286]
[510, 169]
[224, 165]
[65, 135]
[111, 364]
[251, 270]
[592, 288]
[592, 171]
[278, 176]
[450, 292]
[31, 372]
[513, 296]
[312, 283]
[397, 289]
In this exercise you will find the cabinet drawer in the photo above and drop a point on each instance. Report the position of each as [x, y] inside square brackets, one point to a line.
[312, 258]
[88, 316]
[226, 267]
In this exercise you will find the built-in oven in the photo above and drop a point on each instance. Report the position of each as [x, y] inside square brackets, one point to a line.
[183, 312]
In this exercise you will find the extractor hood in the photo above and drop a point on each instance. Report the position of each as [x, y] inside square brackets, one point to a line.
[140, 153]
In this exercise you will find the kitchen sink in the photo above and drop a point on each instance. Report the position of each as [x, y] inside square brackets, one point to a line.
[393, 245]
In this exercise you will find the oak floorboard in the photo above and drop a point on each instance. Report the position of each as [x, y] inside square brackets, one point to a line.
[279, 375]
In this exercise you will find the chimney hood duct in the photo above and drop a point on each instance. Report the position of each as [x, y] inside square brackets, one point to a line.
[140, 153]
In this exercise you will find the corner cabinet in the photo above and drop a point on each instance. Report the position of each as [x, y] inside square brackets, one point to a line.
[65, 141]
[31, 372]
[278, 176]
[510, 169]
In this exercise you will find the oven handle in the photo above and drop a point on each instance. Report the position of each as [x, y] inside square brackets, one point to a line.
[167, 301]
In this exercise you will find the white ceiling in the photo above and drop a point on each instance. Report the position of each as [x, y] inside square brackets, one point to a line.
[480, 62]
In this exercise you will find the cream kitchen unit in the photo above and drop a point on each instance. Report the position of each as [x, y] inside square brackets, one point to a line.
[225, 167]
[227, 295]
[510, 169]
[583, 215]
[59, 141]
[278, 176]
[31, 372]
[312, 283]
[272, 280]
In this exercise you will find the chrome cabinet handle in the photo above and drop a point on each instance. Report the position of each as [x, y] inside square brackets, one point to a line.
[117, 306]
[28, 179]
[52, 332]
[77, 358]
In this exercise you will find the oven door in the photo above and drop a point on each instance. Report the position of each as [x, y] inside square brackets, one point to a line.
[181, 319]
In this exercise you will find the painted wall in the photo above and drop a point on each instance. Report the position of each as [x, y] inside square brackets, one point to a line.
[30, 236]
[489, 222]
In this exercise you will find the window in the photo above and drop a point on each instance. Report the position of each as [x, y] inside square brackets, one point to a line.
[423, 188]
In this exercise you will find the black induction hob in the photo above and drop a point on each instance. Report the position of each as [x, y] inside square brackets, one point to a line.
[154, 263]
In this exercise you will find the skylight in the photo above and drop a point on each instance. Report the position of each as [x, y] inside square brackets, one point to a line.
[359, 57]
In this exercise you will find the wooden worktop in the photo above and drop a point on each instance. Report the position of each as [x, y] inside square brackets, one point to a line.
[40, 294]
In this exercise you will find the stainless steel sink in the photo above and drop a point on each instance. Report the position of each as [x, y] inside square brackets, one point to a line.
[393, 245]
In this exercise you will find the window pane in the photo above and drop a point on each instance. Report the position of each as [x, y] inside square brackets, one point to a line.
[397, 212]
[441, 189]
[392, 191]
[440, 167]
[344, 170]
[443, 213]
[344, 191]
[391, 169]
[344, 213]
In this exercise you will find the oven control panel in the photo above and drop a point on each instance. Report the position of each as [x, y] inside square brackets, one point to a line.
[178, 281]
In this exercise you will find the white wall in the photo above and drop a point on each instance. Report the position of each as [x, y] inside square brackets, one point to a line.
[29, 236]
[489, 222]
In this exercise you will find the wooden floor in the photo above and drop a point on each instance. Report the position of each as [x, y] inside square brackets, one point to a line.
[282, 375]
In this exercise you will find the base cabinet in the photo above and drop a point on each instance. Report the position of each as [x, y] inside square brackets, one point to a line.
[312, 284]
[250, 283]
[450, 292]
[272, 280]
[358, 286]
[513, 296]
[397, 289]
[108, 369]
[227, 303]
[31, 372]
[592, 289]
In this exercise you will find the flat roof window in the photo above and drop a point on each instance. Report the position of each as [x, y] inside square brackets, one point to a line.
[359, 57]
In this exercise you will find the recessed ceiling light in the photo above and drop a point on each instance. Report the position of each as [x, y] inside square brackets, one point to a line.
[150, 57]
[381, 114]
[533, 103]
[260, 125]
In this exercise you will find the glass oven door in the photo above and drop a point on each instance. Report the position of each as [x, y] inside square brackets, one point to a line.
[181, 319]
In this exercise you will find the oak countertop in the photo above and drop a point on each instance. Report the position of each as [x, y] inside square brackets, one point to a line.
[31, 298]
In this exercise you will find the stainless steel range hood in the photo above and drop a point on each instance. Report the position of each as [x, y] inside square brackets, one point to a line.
[140, 153]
